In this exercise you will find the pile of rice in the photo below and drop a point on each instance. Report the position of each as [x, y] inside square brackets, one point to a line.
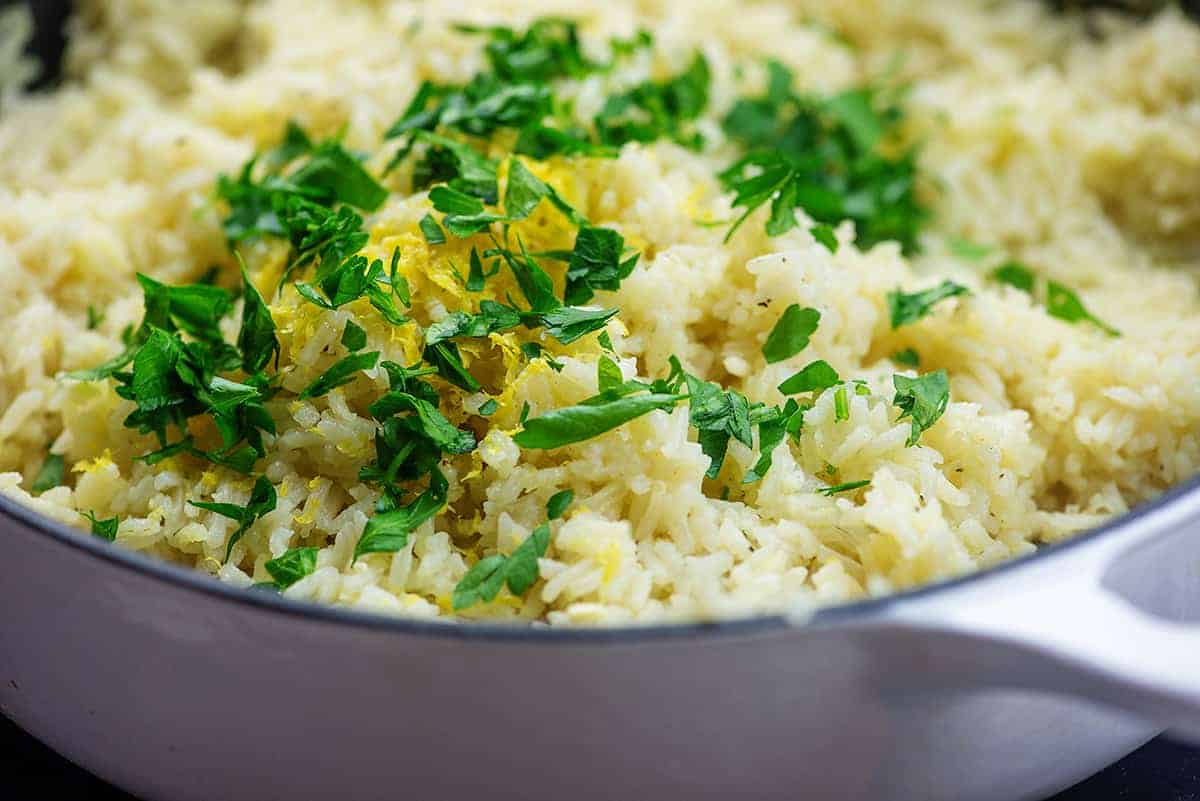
[1069, 142]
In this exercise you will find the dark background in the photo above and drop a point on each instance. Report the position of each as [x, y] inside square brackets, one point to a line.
[1161, 771]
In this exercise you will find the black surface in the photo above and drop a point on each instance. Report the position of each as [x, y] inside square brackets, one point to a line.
[1161, 771]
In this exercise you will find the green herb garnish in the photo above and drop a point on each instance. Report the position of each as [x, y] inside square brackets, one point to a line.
[907, 308]
[341, 373]
[292, 566]
[354, 338]
[519, 571]
[658, 109]
[816, 377]
[1066, 305]
[826, 156]
[104, 529]
[585, 421]
[791, 333]
[847, 487]
[907, 358]
[262, 502]
[558, 503]
[922, 399]
[51, 475]
[1014, 274]
[433, 232]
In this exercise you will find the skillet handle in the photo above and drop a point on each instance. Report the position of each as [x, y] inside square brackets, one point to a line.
[1088, 619]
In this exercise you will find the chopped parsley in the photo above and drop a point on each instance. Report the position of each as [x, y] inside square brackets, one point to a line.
[816, 377]
[558, 504]
[922, 400]
[718, 415]
[658, 109]
[849, 486]
[262, 502]
[791, 333]
[841, 404]
[433, 232]
[1014, 274]
[907, 358]
[589, 419]
[1066, 305]
[836, 158]
[907, 308]
[175, 359]
[50, 475]
[1061, 302]
[388, 530]
[340, 374]
[519, 570]
[94, 318]
[354, 338]
[292, 566]
[598, 262]
[104, 529]
[350, 280]
[256, 338]
[968, 250]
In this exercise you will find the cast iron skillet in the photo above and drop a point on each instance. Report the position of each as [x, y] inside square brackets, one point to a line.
[1008, 684]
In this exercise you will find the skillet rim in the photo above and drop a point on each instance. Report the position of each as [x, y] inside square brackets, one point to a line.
[65, 536]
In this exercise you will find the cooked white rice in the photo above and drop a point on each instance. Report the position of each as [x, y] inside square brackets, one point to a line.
[1069, 142]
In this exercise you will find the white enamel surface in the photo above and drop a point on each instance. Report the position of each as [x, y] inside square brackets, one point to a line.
[1098, 614]
[180, 694]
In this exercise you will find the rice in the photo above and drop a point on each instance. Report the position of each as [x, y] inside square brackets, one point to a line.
[1071, 143]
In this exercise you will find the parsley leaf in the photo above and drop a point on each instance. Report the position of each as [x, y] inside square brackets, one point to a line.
[262, 502]
[104, 529]
[921, 399]
[907, 308]
[968, 250]
[51, 474]
[907, 358]
[582, 422]
[657, 109]
[770, 436]
[339, 175]
[196, 309]
[596, 264]
[824, 156]
[568, 323]
[425, 420]
[718, 415]
[292, 566]
[816, 377]
[518, 571]
[791, 333]
[340, 374]
[354, 337]
[256, 340]
[482, 583]
[432, 232]
[1066, 305]
[847, 487]
[388, 531]
[558, 503]
[1015, 275]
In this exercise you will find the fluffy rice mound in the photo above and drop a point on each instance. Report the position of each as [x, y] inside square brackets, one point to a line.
[1069, 143]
